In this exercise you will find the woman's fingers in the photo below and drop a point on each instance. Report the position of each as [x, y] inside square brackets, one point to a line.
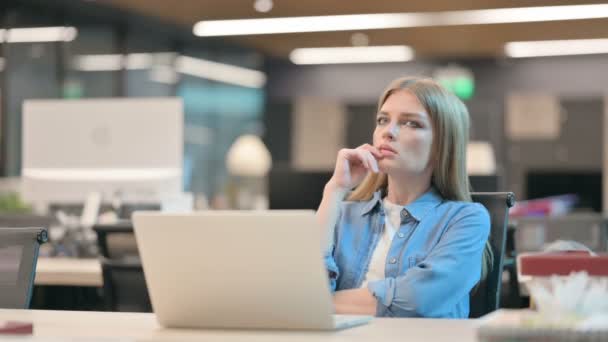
[364, 155]
[364, 159]
[373, 163]
[373, 150]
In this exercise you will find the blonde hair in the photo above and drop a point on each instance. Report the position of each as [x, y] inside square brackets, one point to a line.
[450, 120]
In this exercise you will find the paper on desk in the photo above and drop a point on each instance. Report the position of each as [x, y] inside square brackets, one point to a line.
[577, 300]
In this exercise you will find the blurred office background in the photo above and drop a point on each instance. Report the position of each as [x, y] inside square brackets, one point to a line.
[539, 114]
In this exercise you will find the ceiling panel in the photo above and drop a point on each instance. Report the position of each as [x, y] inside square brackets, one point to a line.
[454, 41]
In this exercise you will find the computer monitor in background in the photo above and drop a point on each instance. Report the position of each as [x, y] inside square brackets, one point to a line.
[127, 147]
[587, 185]
[292, 189]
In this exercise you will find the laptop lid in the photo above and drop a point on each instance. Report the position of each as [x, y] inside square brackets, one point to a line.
[235, 269]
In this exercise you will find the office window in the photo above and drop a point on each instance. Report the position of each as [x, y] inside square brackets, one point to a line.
[216, 113]
[30, 71]
[91, 67]
[150, 64]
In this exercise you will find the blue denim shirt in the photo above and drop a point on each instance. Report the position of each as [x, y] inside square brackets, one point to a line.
[433, 262]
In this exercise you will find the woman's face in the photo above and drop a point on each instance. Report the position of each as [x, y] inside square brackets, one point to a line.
[404, 135]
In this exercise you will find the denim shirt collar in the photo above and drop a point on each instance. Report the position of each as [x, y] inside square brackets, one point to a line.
[417, 209]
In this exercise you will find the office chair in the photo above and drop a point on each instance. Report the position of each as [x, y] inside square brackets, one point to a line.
[486, 295]
[116, 241]
[124, 286]
[18, 258]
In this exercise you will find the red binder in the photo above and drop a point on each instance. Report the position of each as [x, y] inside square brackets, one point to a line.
[16, 328]
[547, 264]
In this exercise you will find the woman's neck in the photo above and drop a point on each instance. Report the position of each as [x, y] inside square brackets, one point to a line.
[403, 191]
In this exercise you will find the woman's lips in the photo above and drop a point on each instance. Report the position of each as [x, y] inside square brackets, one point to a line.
[387, 152]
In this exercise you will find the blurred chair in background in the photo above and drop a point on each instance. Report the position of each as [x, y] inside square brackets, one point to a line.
[485, 298]
[124, 284]
[18, 258]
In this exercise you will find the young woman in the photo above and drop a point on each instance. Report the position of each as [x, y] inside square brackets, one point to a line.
[407, 241]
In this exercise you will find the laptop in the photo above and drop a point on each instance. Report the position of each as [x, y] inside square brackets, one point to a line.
[237, 269]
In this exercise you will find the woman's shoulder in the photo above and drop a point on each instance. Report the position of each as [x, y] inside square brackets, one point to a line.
[466, 210]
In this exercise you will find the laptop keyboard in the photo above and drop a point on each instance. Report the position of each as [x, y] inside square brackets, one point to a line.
[345, 321]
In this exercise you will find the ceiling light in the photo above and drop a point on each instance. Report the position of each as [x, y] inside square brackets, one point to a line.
[263, 5]
[98, 62]
[38, 34]
[359, 39]
[297, 24]
[397, 20]
[220, 72]
[359, 54]
[163, 74]
[183, 64]
[556, 47]
[114, 62]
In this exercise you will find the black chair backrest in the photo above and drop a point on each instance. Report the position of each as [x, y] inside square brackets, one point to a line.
[116, 241]
[485, 297]
[124, 286]
[18, 257]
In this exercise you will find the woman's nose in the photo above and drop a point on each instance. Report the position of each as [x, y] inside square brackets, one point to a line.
[391, 131]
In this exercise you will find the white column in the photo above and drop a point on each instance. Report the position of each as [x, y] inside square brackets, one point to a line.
[318, 127]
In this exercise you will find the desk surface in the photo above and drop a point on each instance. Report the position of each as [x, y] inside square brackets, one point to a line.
[62, 325]
[68, 272]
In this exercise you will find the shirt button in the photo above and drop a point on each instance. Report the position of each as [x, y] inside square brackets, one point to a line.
[393, 261]
[401, 235]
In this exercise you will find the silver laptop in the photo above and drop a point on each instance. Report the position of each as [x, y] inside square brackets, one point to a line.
[237, 269]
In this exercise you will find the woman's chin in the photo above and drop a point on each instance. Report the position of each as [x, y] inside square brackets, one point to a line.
[386, 166]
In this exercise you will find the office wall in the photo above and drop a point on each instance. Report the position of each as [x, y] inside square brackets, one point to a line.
[578, 82]
[605, 144]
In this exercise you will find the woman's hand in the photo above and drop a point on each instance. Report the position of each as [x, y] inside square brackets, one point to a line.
[352, 165]
[355, 302]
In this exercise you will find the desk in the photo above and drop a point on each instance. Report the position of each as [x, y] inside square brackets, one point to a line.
[64, 325]
[68, 272]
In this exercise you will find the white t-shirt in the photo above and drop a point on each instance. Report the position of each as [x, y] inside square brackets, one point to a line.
[392, 223]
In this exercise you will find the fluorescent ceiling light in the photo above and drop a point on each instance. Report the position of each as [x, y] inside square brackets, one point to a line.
[114, 62]
[163, 74]
[220, 72]
[358, 54]
[38, 34]
[556, 47]
[98, 62]
[135, 61]
[397, 20]
[186, 65]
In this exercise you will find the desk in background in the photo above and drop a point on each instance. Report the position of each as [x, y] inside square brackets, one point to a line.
[68, 272]
[68, 284]
[64, 325]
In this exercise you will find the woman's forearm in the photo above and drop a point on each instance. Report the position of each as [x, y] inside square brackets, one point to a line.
[329, 210]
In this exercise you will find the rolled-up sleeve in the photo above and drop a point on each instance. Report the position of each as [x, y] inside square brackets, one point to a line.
[333, 272]
[445, 277]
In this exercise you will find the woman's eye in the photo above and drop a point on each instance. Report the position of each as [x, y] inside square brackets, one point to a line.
[412, 124]
[381, 120]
